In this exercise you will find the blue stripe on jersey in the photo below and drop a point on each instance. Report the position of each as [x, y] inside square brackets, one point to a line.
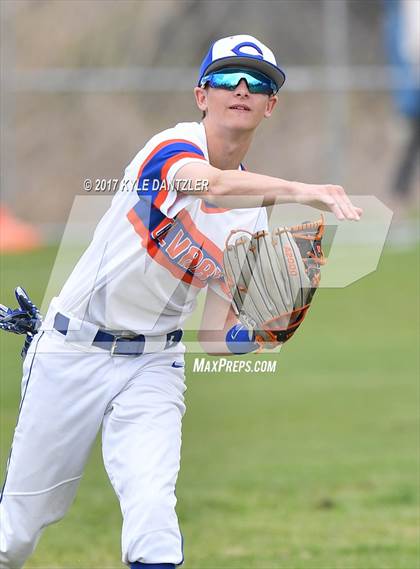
[211, 205]
[150, 215]
[150, 178]
[150, 183]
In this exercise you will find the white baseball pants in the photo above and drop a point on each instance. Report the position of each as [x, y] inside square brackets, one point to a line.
[68, 391]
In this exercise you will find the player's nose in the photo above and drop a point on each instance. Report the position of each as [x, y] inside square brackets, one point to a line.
[242, 88]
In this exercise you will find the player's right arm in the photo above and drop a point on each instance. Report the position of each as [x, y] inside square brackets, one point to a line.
[243, 189]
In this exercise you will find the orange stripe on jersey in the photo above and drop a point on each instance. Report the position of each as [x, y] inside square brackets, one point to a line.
[138, 227]
[159, 147]
[199, 237]
[208, 209]
[165, 169]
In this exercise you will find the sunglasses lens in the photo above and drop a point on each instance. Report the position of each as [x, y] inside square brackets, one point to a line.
[229, 79]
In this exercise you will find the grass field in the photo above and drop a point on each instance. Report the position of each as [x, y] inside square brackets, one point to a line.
[314, 467]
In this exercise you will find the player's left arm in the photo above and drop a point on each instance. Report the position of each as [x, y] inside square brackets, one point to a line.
[218, 317]
[220, 331]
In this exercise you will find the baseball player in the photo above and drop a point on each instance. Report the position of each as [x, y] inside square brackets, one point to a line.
[109, 353]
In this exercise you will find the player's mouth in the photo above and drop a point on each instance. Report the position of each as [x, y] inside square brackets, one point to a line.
[241, 108]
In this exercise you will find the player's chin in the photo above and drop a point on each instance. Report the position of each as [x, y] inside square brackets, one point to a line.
[241, 119]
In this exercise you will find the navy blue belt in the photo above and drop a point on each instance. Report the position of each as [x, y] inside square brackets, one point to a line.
[117, 345]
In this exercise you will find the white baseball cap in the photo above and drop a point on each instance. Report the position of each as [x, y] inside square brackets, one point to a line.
[242, 50]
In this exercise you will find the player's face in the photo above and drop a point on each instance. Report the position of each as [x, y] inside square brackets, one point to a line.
[236, 109]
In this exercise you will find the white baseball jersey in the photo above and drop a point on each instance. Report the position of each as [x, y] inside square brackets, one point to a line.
[155, 248]
[150, 256]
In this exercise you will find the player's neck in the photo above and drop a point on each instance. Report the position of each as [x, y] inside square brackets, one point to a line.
[226, 149]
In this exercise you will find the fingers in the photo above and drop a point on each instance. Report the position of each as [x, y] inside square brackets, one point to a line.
[336, 199]
[329, 197]
[337, 211]
[343, 203]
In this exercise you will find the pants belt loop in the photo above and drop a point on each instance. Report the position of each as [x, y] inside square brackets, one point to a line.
[154, 344]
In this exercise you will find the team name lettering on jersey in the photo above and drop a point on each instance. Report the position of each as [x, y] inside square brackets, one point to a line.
[183, 248]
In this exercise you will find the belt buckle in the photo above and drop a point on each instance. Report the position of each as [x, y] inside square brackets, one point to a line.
[114, 346]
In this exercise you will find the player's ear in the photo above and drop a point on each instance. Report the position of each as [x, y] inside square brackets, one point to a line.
[201, 98]
[271, 103]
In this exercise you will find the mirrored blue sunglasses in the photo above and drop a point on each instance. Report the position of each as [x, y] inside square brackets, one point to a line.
[228, 78]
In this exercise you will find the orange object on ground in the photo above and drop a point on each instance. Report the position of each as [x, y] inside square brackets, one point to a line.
[16, 235]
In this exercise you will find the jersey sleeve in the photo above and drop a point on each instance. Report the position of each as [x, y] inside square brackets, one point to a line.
[258, 222]
[158, 201]
[157, 172]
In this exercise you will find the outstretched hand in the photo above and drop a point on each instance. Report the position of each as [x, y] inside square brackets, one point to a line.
[329, 197]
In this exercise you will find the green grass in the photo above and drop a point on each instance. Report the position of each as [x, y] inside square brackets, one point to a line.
[314, 467]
